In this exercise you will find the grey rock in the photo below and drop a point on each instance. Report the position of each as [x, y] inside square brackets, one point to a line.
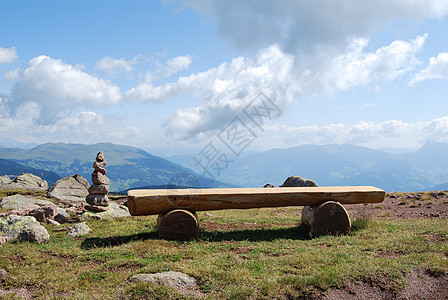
[268, 185]
[4, 179]
[17, 201]
[297, 181]
[99, 189]
[115, 211]
[98, 178]
[3, 275]
[176, 280]
[23, 228]
[41, 213]
[62, 215]
[44, 213]
[79, 230]
[63, 212]
[25, 181]
[70, 189]
[97, 199]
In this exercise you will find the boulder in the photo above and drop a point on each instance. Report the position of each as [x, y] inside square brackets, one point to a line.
[297, 181]
[115, 211]
[25, 181]
[176, 280]
[73, 188]
[17, 201]
[4, 179]
[79, 229]
[23, 229]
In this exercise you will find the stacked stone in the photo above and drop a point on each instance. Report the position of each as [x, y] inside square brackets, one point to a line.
[97, 197]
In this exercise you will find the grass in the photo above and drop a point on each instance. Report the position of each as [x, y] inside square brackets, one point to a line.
[9, 192]
[278, 260]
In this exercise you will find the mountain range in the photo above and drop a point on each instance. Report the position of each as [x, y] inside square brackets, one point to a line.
[335, 164]
[128, 167]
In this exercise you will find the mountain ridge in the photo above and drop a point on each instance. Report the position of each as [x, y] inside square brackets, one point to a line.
[128, 167]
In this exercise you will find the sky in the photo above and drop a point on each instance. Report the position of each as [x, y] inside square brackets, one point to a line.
[234, 76]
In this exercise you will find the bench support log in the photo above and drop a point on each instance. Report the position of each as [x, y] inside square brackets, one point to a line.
[328, 218]
[178, 224]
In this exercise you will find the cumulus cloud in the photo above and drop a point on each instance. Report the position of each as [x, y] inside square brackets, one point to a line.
[225, 90]
[306, 25]
[392, 133]
[355, 67]
[230, 87]
[437, 69]
[7, 55]
[81, 127]
[56, 86]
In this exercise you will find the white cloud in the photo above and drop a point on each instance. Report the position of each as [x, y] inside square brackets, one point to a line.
[12, 75]
[112, 66]
[7, 55]
[437, 69]
[178, 64]
[389, 134]
[82, 127]
[307, 25]
[56, 86]
[225, 90]
[355, 67]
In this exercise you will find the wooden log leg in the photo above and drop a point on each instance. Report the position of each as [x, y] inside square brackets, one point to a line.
[328, 218]
[178, 224]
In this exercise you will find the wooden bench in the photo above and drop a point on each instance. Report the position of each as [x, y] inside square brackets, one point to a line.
[177, 208]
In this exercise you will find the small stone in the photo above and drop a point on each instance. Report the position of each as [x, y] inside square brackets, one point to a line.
[176, 280]
[98, 178]
[60, 218]
[53, 222]
[98, 164]
[100, 156]
[79, 230]
[3, 239]
[99, 189]
[97, 199]
[96, 208]
[100, 170]
[209, 215]
[3, 275]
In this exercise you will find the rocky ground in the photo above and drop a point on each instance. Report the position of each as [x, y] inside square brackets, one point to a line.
[399, 205]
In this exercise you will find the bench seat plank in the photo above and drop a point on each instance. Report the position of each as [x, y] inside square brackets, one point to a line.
[159, 201]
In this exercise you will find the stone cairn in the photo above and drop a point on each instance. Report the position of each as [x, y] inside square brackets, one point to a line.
[97, 197]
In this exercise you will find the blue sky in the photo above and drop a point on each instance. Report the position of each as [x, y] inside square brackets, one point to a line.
[173, 75]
